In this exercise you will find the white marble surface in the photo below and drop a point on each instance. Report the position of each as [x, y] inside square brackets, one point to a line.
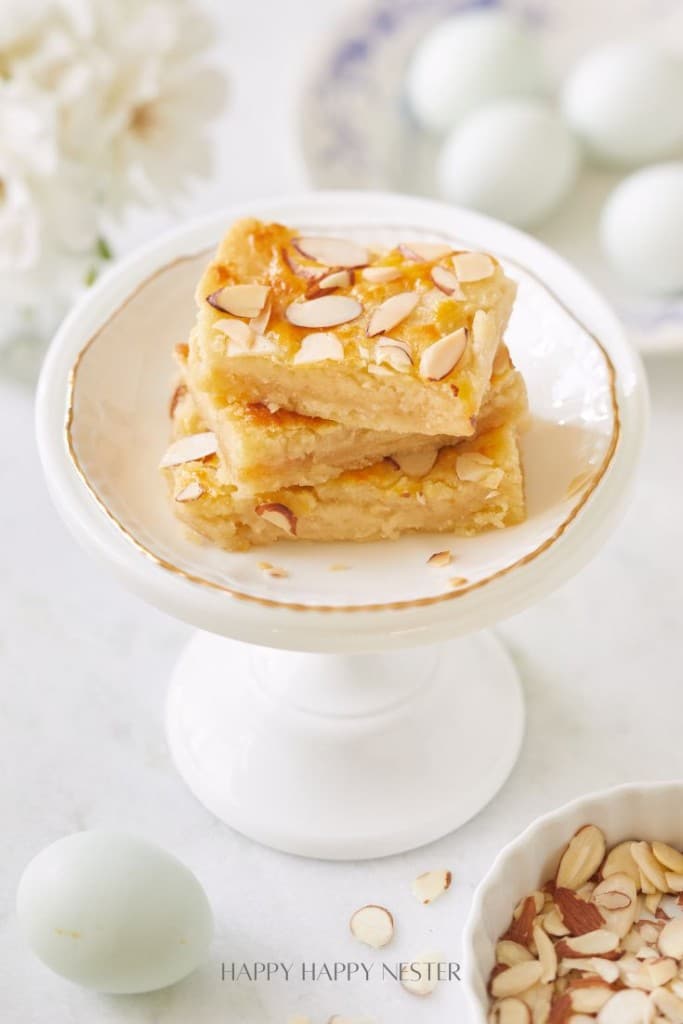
[84, 668]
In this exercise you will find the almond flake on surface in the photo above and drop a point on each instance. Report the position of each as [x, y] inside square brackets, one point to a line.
[332, 252]
[511, 1011]
[446, 281]
[458, 581]
[440, 558]
[441, 358]
[670, 940]
[337, 279]
[315, 348]
[421, 977]
[668, 1004]
[373, 926]
[473, 467]
[668, 857]
[245, 300]
[394, 352]
[416, 464]
[424, 252]
[381, 275]
[517, 979]
[191, 492]
[510, 953]
[649, 866]
[191, 448]
[626, 1007]
[473, 266]
[432, 884]
[326, 311]
[259, 323]
[302, 270]
[582, 858]
[239, 332]
[545, 950]
[392, 312]
[674, 881]
[619, 860]
[278, 515]
[595, 943]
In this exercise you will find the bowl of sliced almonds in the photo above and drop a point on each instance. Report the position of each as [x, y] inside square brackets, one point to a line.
[580, 918]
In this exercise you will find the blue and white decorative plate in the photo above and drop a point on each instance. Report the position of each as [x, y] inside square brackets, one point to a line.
[357, 132]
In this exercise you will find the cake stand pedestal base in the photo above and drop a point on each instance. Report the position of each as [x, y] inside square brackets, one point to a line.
[345, 757]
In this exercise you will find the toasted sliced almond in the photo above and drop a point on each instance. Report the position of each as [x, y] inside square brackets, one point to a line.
[441, 358]
[260, 323]
[372, 925]
[327, 311]
[627, 1007]
[668, 857]
[278, 515]
[473, 266]
[395, 353]
[596, 943]
[424, 252]
[649, 866]
[510, 953]
[546, 954]
[581, 859]
[191, 448]
[320, 346]
[670, 941]
[332, 252]
[511, 1011]
[381, 275]
[619, 860]
[245, 300]
[191, 492]
[392, 312]
[517, 979]
[432, 884]
[446, 281]
[440, 558]
[239, 332]
[337, 279]
[420, 977]
[416, 464]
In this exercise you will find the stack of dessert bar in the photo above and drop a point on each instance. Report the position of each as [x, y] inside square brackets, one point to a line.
[332, 391]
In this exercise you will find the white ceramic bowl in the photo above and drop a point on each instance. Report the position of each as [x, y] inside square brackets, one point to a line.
[635, 811]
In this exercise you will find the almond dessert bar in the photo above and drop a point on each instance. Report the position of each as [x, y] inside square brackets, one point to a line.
[400, 340]
[267, 448]
[467, 488]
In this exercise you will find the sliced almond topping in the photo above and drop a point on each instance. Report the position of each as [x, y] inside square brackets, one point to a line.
[278, 515]
[440, 558]
[420, 977]
[596, 943]
[473, 266]
[394, 352]
[317, 347]
[337, 279]
[649, 866]
[191, 448]
[240, 299]
[517, 979]
[670, 940]
[474, 467]
[379, 371]
[332, 252]
[446, 281]
[191, 492]
[373, 926]
[546, 954]
[582, 858]
[627, 1007]
[302, 270]
[416, 464]
[432, 884]
[260, 323]
[668, 857]
[619, 860]
[510, 953]
[511, 1011]
[240, 334]
[391, 312]
[327, 311]
[424, 252]
[441, 358]
[483, 331]
[381, 275]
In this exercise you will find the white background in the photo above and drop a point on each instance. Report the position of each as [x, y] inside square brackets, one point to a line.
[85, 665]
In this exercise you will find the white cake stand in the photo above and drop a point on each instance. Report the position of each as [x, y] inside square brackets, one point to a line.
[355, 713]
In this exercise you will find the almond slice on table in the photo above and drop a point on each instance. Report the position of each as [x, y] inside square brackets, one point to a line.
[191, 492]
[381, 275]
[581, 859]
[337, 279]
[432, 884]
[191, 448]
[597, 943]
[392, 312]
[439, 559]
[473, 266]
[424, 252]
[416, 464]
[317, 347]
[420, 977]
[441, 358]
[668, 857]
[278, 515]
[510, 953]
[446, 281]
[326, 311]
[517, 979]
[394, 352]
[373, 926]
[332, 252]
[511, 1011]
[240, 299]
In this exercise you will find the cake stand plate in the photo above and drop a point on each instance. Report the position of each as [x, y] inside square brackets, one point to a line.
[334, 713]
